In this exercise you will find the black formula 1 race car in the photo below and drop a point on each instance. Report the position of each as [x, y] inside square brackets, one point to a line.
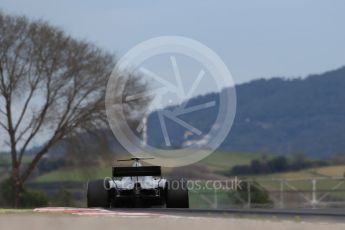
[137, 186]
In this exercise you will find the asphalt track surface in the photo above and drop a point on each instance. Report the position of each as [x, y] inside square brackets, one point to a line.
[169, 219]
[325, 213]
[328, 213]
[338, 214]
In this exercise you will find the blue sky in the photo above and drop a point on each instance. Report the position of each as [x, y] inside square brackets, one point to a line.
[255, 39]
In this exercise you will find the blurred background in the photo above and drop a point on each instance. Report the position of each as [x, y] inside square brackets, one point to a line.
[287, 59]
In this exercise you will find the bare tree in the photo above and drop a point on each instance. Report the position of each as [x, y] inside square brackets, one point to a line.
[50, 86]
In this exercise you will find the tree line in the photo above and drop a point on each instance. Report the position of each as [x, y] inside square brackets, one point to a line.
[276, 165]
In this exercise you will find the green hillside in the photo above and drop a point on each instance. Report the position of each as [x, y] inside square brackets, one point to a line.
[216, 162]
[223, 161]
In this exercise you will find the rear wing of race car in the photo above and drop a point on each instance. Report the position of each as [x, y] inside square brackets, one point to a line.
[137, 171]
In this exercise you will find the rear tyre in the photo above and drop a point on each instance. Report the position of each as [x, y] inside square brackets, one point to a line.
[97, 194]
[177, 194]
